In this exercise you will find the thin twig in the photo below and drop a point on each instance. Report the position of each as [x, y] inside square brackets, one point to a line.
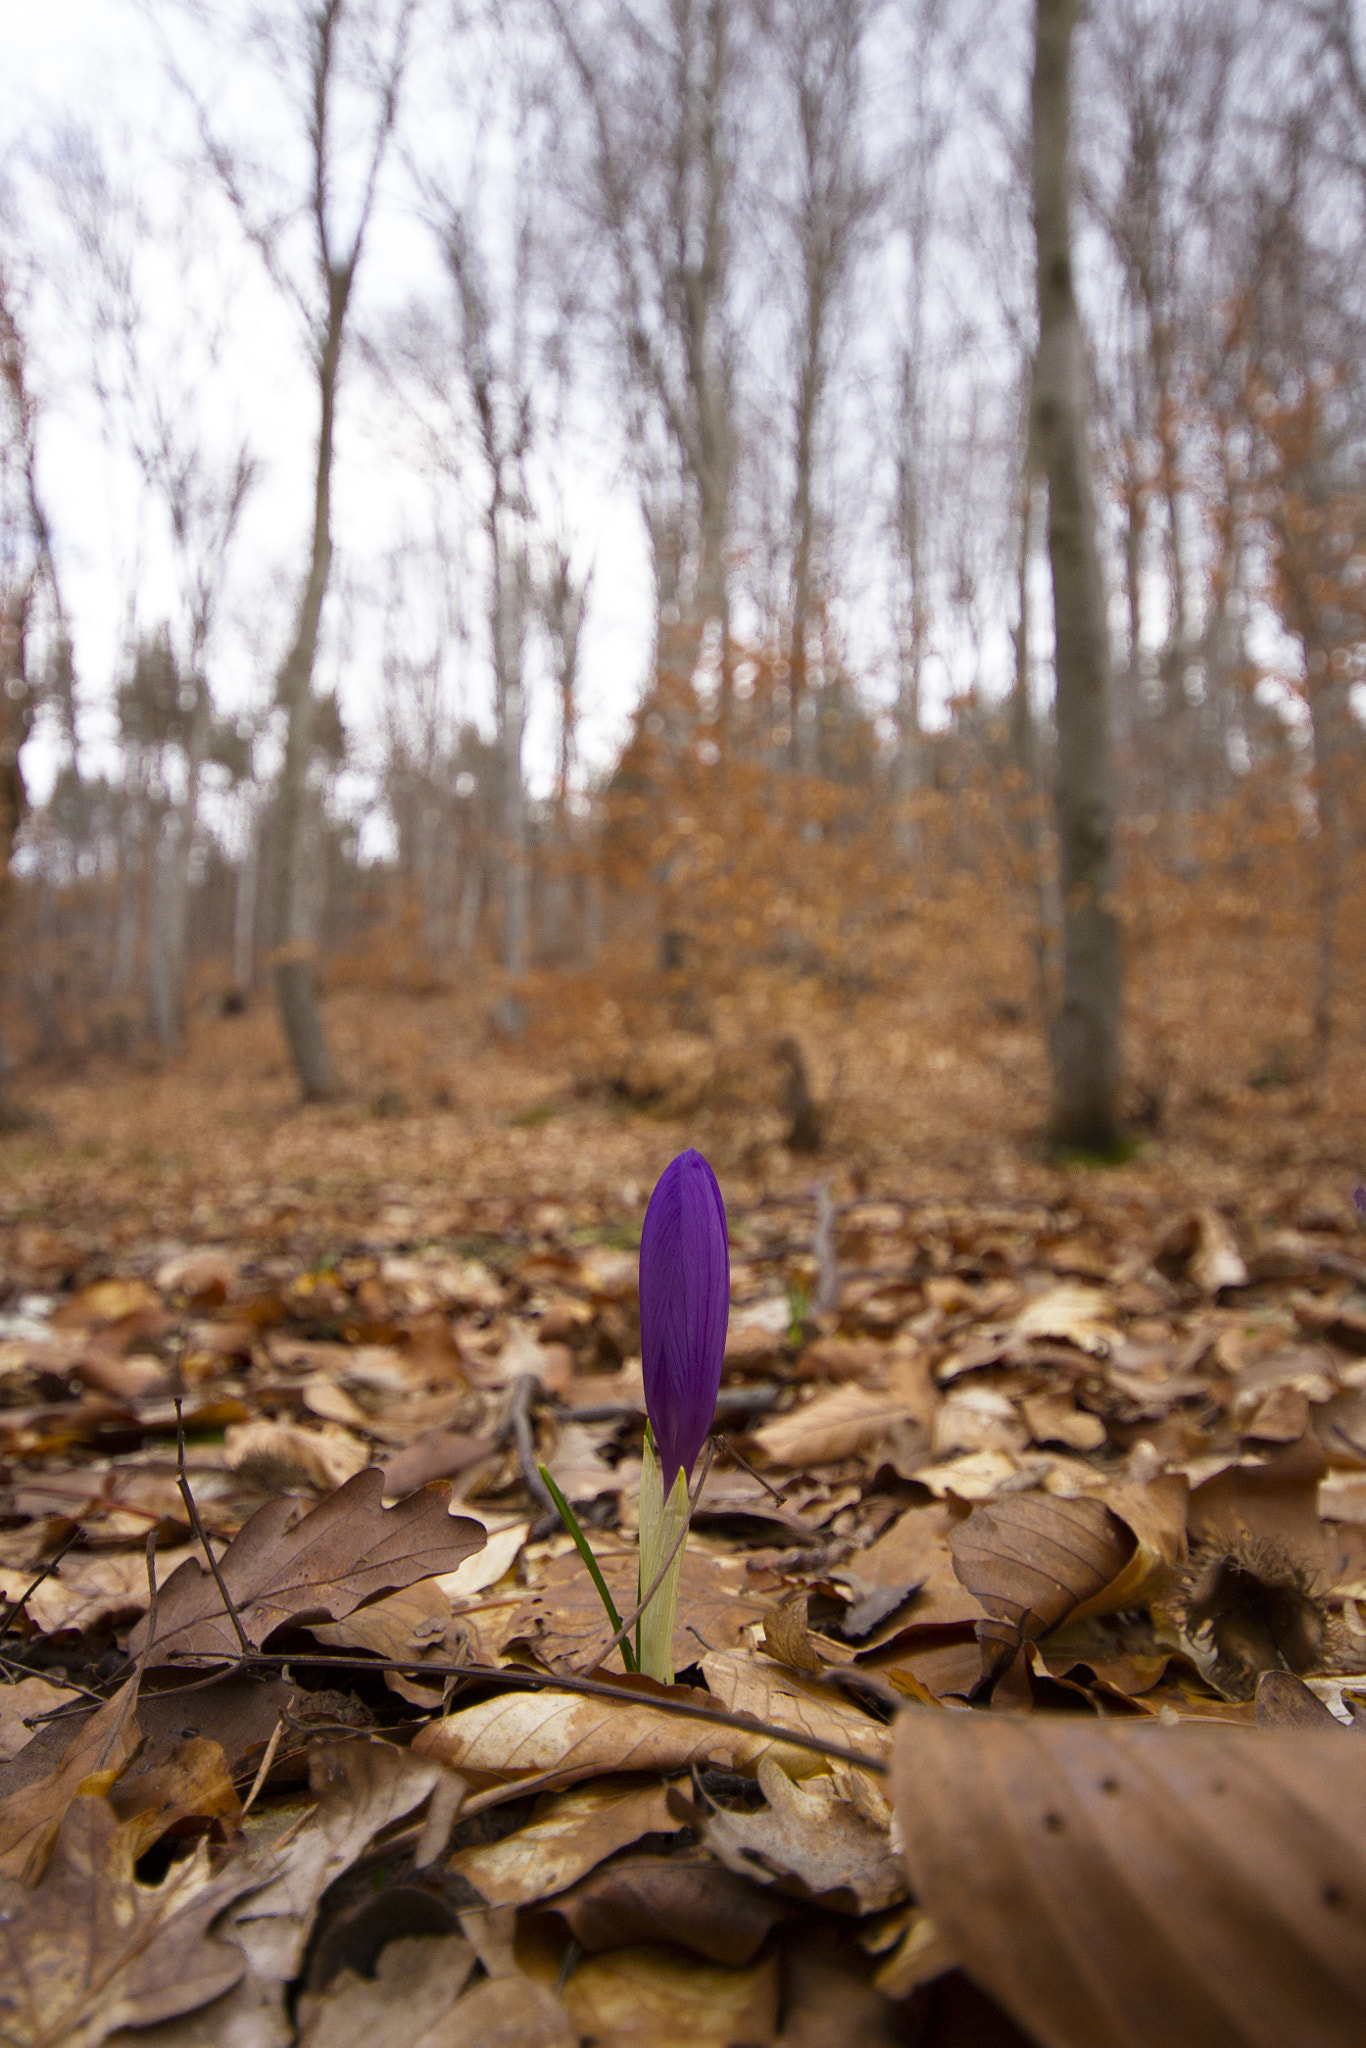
[521, 1679]
[28, 1592]
[183, 1483]
[525, 1388]
[264, 1771]
[731, 1452]
[624, 1628]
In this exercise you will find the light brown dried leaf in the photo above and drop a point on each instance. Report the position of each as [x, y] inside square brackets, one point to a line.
[654, 1997]
[569, 1833]
[192, 1784]
[1113, 1884]
[23, 1702]
[321, 1566]
[569, 1737]
[407, 2004]
[834, 1425]
[747, 1684]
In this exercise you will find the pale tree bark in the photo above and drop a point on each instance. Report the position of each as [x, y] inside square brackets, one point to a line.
[1086, 1035]
[307, 40]
[820, 52]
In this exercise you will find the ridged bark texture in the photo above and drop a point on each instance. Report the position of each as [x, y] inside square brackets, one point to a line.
[1086, 1032]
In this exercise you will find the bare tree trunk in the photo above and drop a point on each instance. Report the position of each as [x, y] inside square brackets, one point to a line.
[296, 988]
[244, 905]
[1086, 1039]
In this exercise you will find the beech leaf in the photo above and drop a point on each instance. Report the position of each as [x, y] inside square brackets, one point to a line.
[1115, 1884]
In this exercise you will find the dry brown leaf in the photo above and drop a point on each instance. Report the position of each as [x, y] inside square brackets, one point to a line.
[1154, 1512]
[564, 1737]
[508, 2012]
[811, 1842]
[566, 1837]
[87, 1592]
[407, 2004]
[748, 1684]
[656, 1998]
[1285, 1701]
[24, 1702]
[686, 1899]
[1055, 1418]
[1115, 1884]
[283, 1567]
[361, 1787]
[833, 1425]
[787, 1637]
[193, 1784]
[89, 1950]
[1031, 1560]
[561, 1619]
[280, 1456]
[1077, 1315]
[99, 1750]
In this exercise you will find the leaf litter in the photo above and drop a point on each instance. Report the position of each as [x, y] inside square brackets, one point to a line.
[1060, 1503]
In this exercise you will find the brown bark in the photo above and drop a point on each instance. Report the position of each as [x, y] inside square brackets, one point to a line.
[1086, 1037]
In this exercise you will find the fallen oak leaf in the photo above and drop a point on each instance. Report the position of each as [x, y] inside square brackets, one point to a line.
[808, 1841]
[89, 1950]
[286, 1567]
[407, 2003]
[1113, 1883]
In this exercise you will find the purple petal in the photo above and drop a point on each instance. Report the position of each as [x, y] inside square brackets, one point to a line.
[684, 1309]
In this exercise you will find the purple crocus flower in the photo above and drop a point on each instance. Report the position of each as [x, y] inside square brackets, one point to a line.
[684, 1308]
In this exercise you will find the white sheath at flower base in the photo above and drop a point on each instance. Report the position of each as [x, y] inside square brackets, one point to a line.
[661, 1523]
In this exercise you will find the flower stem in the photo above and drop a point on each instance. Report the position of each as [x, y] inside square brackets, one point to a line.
[571, 1523]
[663, 1528]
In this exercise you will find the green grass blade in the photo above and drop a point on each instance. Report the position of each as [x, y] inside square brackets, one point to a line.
[584, 1548]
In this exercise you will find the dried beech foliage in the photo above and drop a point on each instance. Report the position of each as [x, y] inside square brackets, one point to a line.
[1049, 1501]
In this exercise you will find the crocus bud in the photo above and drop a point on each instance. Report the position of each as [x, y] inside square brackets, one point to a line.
[684, 1309]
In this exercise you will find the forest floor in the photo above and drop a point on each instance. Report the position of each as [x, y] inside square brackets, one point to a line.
[1028, 1467]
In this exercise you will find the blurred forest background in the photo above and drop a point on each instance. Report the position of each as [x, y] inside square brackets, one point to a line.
[736, 298]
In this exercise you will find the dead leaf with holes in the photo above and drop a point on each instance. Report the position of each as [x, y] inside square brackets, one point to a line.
[89, 1950]
[811, 1842]
[284, 1567]
[1112, 1883]
[361, 1788]
[193, 1784]
[568, 1835]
